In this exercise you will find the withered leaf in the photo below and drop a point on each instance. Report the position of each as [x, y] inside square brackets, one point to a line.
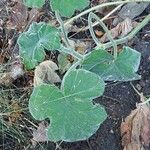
[40, 135]
[135, 130]
[45, 73]
[132, 10]
[120, 30]
[18, 16]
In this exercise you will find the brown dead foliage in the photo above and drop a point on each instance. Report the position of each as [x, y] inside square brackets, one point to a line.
[120, 30]
[135, 130]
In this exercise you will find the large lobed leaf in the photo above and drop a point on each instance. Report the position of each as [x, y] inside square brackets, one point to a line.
[71, 112]
[67, 7]
[124, 68]
[32, 43]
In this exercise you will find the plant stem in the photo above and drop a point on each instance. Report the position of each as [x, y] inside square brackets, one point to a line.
[72, 52]
[64, 32]
[145, 102]
[104, 18]
[100, 6]
[67, 49]
[97, 42]
[130, 35]
[93, 16]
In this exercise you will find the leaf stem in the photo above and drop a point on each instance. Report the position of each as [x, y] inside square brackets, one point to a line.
[104, 18]
[101, 6]
[64, 32]
[72, 52]
[130, 35]
[93, 16]
[145, 102]
[67, 49]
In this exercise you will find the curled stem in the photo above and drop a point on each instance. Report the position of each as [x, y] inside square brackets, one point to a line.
[101, 6]
[67, 49]
[131, 34]
[93, 16]
[64, 32]
[104, 18]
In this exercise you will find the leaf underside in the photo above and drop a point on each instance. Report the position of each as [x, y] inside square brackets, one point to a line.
[124, 68]
[72, 115]
[32, 43]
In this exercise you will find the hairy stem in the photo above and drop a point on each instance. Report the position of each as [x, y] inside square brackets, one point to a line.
[101, 6]
[72, 52]
[64, 32]
[67, 49]
[145, 102]
[104, 18]
[93, 16]
[130, 35]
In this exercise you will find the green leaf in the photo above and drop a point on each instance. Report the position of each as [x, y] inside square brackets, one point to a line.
[32, 43]
[34, 3]
[67, 7]
[63, 62]
[124, 68]
[72, 115]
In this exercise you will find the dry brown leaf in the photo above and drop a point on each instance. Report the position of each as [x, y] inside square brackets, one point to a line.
[18, 16]
[82, 46]
[120, 30]
[16, 71]
[40, 135]
[135, 130]
[33, 14]
[99, 33]
[45, 73]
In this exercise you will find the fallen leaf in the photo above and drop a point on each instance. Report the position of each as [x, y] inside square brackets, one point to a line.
[135, 130]
[45, 73]
[40, 135]
[120, 30]
[15, 71]
[132, 10]
[18, 16]
[33, 14]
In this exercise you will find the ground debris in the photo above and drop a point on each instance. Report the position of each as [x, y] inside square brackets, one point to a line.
[16, 71]
[120, 30]
[18, 16]
[135, 130]
[132, 10]
[40, 134]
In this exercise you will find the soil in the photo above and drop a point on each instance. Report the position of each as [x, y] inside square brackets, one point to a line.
[119, 99]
